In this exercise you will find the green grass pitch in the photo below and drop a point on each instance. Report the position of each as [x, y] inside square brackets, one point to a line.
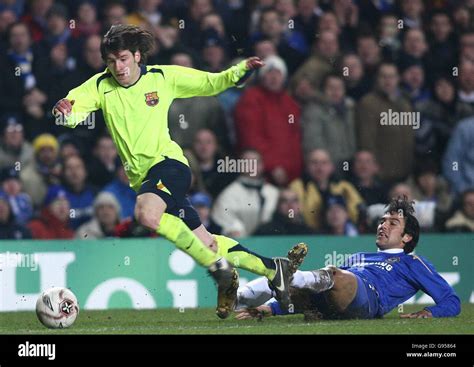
[204, 321]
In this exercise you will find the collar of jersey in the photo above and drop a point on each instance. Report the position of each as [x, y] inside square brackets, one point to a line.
[391, 251]
[143, 71]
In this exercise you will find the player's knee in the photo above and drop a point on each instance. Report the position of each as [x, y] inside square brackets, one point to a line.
[148, 219]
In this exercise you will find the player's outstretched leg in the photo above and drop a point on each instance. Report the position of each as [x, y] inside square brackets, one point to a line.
[276, 270]
[226, 277]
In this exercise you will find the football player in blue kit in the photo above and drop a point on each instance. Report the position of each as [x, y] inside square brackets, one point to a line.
[368, 286]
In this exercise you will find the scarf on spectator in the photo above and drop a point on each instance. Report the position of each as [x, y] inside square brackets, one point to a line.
[25, 63]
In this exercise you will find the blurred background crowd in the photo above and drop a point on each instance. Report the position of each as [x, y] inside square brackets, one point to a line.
[311, 117]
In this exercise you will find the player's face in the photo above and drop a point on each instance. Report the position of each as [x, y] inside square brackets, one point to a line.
[124, 66]
[390, 231]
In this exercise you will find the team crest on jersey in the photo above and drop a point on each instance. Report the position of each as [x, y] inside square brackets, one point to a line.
[392, 260]
[152, 99]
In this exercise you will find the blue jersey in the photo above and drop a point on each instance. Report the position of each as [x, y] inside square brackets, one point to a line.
[397, 277]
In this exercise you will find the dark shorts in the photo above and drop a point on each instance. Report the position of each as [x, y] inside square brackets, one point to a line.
[365, 304]
[170, 180]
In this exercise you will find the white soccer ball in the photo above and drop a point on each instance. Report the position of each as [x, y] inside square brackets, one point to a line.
[57, 308]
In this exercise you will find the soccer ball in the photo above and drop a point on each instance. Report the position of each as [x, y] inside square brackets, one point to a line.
[57, 308]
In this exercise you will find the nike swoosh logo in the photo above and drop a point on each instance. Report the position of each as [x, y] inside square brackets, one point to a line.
[281, 287]
[108, 91]
[145, 181]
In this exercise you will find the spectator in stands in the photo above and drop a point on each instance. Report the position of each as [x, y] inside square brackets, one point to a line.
[370, 53]
[87, 24]
[106, 218]
[389, 35]
[414, 45]
[393, 145]
[466, 43]
[190, 35]
[458, 165]
[25, 77]
[287, 219]
[14, 149]
[9, 229]
[328, 123]
[307, 18]
[35, 20]
[466, 83]
[291, 44]
[187, 116]
[44, 171]
[358, 83]
[336, 218]
[318, 184]
[21, 205]
[69, 146]
[248, 201]
[264, 47]
[7, 18]
[206, 151]
[120, 188]
[307, 79]
[463, 219]
[79, 194]
[413, 81]
[202, 202]
[53, 220]
[365, 178]
[412, 13]
[267, 118]
[428, 186]
[214, 54]
[115, 12]
[104, 162]
[442, 45]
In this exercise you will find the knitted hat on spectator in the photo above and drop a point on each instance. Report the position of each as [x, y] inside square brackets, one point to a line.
[106, 198]
[336, 200]
[201, 199]
[273, 62]
[44, 141]
[9, 172]
[10, 122]
[55, 192]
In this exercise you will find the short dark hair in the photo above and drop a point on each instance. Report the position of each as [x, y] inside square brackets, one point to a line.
[402, 206]
[127, 37]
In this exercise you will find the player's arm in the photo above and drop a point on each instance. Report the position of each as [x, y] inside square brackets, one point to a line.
[188, 82]
[433, 284]
[78, 104]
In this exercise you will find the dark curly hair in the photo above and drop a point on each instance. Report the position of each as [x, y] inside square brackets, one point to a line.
[404, 208]
[127, 37]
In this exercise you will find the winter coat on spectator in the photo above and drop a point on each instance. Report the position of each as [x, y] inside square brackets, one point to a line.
[48, 227]
[91, 230]
[458, 161]
[459, 222]
[124, 195]
[314, 200]
[313, 70]
[269, 122]
[10, 230]
[35, 183]
[9, 158]
[187, 116]
[282, 225]
[329, 127]
[244, 205]
[393, 145]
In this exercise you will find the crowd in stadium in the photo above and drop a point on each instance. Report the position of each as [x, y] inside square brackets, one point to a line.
[320, 117]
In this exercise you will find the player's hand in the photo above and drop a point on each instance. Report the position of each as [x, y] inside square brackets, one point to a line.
[63, 107]
[423, 314]
[254, 313]
[254, 63]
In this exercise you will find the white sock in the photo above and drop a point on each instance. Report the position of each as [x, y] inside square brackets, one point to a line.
[254, 293]
[303, 279]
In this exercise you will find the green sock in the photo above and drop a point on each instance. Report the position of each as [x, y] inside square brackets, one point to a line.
[176, 231]
[242, 258]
